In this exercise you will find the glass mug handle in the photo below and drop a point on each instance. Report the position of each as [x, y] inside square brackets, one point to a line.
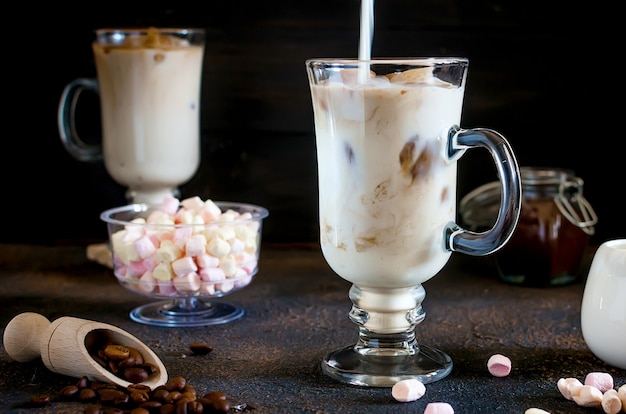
[66, 119]
[472, 243]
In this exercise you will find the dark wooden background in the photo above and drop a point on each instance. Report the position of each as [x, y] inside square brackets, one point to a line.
[538, 74]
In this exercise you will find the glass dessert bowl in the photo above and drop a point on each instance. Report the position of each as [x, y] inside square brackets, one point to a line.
[185, 253]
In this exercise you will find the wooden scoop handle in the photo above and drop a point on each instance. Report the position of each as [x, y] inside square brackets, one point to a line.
[23, 335]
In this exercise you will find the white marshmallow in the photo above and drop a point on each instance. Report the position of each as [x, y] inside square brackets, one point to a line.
[611, 403]
[229, 265]
[195, 245]
[621, 393]
[536, 411]
[587, 396]
[183, 266]
[438, 408]
[408, 390]
[147, 282]
[188, 283]
[193, 203]
[206, 260]
[567, 385]
[218, 247]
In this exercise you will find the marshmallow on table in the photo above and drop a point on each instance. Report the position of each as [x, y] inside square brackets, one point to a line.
[439, 408]
[587, 396]
[611, 404]
[621, 393]
[567, 386]
[408, 390]
[601, 380]
[536, 411]
[499, 365]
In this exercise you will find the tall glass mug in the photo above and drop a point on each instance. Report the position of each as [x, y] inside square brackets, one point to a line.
[149, 85]
[388, 141]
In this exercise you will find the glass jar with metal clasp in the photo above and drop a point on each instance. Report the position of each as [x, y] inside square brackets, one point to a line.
[555, 224]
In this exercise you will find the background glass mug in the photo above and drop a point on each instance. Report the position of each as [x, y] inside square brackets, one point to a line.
[149, 85]
[388, 141]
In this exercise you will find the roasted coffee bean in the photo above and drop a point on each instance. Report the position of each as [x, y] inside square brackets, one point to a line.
[110, 395]
[151, 405]
[109, 398]
[116, 352]
[215, 395]
[135, 374]
[195, 407]
[167, 409]
[175, 384]
[189, 389]
[173, 396]
[200, 348]
[69, 391]
[92, 409]
[40, 400]
[139, 396]
[87, 394]
[160, 394]
[150, 368]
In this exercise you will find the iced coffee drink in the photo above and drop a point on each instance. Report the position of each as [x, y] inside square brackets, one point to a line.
[386, 190]
[388, 141]
[149, 85]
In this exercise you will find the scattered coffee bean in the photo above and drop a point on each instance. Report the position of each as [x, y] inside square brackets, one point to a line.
[175, 396]
[200, 348]
[40, 400]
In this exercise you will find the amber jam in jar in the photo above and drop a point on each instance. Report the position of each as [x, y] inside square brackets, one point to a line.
[549, 242]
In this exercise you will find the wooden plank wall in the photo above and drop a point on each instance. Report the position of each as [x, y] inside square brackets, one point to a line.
[528, 79]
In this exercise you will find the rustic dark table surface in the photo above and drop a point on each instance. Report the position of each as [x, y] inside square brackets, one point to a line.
[296, 310]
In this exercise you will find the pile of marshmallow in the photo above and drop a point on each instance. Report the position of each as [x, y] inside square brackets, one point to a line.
[189, 247]
[597, 391]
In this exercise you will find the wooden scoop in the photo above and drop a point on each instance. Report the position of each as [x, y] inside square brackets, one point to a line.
[63, 344]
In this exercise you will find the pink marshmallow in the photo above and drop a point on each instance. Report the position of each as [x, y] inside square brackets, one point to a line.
[144, 246]
[170, 205]
[166, 288]
[499, 365]
[182, 233]
[601, 380]
[136, 268]
[438, 408]
[212, 274]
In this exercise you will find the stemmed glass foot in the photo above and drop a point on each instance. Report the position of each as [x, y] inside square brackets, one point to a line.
[387, 350]
[186, 312]
[384, 366]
